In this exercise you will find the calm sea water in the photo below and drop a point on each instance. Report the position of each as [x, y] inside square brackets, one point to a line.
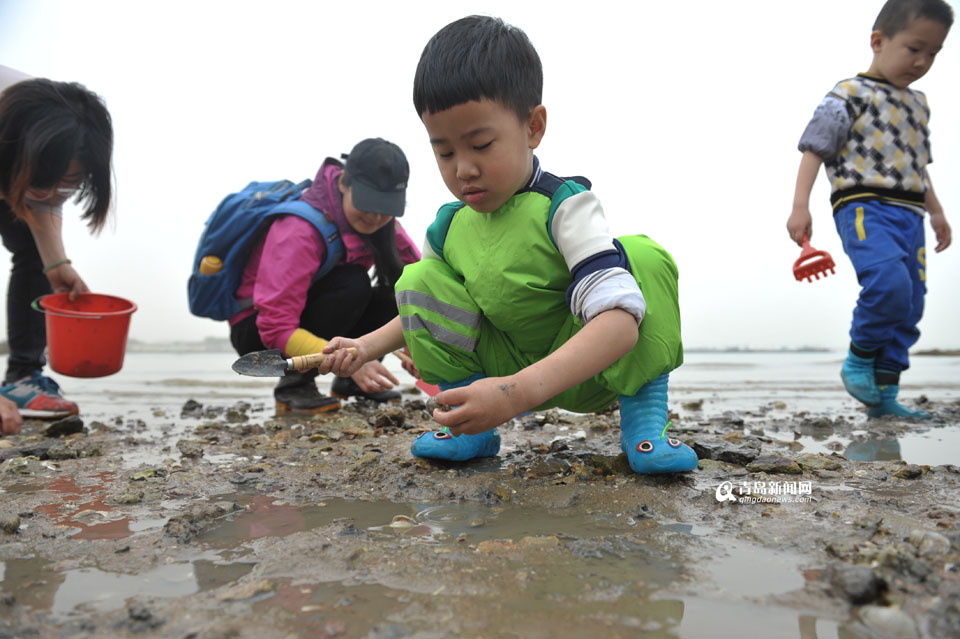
[154, 386]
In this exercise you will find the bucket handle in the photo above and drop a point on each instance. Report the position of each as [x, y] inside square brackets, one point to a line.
[36, 306]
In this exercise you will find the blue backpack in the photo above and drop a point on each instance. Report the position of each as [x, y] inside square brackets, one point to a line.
[230, 234]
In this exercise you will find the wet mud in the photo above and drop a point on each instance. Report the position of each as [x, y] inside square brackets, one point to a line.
[220, 520]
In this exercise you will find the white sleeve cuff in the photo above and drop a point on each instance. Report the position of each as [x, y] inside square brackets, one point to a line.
[605, 290]
[580, 228]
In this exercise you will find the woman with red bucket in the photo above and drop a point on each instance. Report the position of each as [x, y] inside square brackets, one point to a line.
[56, 142]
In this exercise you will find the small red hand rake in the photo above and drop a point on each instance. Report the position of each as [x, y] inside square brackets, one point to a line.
[812, 263]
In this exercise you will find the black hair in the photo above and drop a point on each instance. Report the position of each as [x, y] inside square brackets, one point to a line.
[44, 125]
[896, 15]
[474, 58]
[383, 244]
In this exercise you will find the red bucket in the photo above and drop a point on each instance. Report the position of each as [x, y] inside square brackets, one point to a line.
[88, 336]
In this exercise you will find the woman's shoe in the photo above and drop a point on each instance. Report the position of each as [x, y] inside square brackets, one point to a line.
[303, 399]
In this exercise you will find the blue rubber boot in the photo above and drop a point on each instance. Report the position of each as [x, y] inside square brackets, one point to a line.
[643, 432]
[442, 445]
[889, 405]
[859, 378]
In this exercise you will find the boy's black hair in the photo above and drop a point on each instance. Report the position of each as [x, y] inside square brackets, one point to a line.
[896, 15]
[44, 125]
[474, 58]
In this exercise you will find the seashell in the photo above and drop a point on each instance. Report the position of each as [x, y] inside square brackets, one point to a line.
[402, 521]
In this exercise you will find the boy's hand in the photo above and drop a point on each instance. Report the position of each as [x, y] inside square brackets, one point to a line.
[800, 223]
[343, 363]
[408, 364]
[374, 377]
[10, 419]
[942, 230]
[482, 405]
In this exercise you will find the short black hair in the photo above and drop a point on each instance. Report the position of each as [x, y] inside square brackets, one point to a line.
[44, 125]
[896, 15]
[475, 58]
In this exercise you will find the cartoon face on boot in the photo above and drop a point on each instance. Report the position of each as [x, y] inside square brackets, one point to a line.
[646, 446]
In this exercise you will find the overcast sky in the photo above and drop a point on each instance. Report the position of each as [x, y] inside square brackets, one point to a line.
[685, 116]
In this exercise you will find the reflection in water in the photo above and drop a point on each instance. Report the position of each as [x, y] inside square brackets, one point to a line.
[82, 507]
[873, 449]
[36, 584]
[32, 581]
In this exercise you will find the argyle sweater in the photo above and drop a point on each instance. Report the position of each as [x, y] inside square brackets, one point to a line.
[873, 139]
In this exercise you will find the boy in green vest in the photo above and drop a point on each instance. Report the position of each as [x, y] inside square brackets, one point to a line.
[523, 301]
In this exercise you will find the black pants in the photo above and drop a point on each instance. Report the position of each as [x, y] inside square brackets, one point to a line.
[26, 328]
[342, 303]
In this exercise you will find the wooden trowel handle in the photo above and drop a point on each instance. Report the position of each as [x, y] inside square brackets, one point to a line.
[307, 362]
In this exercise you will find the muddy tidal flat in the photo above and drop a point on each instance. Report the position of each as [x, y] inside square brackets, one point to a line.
[177, 505]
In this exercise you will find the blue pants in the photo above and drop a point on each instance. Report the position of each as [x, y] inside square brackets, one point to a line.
[885, 242]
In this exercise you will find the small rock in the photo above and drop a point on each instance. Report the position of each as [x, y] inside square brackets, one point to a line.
[910, 471]
[368, 458]
[811, 462]
[9, 523]
[496, 547]
[390, 416]
[694, 405]
[190, 449]
[246, 591]
[186, 526]
[130, 497]
[559, 445]
[149, 473]
[709, 465]
[29, 465]
[857, 584]
[889, 622]
[350, 530]
[142, 619]
[192, 408]
[774, 464]
[235, 416]
[62, 427]
[62, 451]
[547, 467]
[930, 545]
[545, 542]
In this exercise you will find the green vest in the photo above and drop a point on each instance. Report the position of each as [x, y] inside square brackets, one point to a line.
[510, 264]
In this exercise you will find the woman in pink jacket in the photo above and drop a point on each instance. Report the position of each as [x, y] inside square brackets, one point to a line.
[297, 314]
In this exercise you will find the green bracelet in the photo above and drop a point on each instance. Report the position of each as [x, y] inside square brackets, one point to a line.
[50, 267]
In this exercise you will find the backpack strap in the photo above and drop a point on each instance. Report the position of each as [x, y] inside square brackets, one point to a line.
[325, 227]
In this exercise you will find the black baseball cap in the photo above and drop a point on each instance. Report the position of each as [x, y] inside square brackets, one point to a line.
[377, 172]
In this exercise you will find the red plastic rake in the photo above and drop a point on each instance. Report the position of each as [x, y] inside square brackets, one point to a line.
[812, 263]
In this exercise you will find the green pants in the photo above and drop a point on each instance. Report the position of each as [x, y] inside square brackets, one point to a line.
[450, 338]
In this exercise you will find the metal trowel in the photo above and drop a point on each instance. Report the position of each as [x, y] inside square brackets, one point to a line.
[272, 363]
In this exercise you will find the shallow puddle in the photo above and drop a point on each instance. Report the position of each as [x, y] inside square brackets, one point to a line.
[609, 574]
[617, 575]
[37, 584]
[266, 517]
